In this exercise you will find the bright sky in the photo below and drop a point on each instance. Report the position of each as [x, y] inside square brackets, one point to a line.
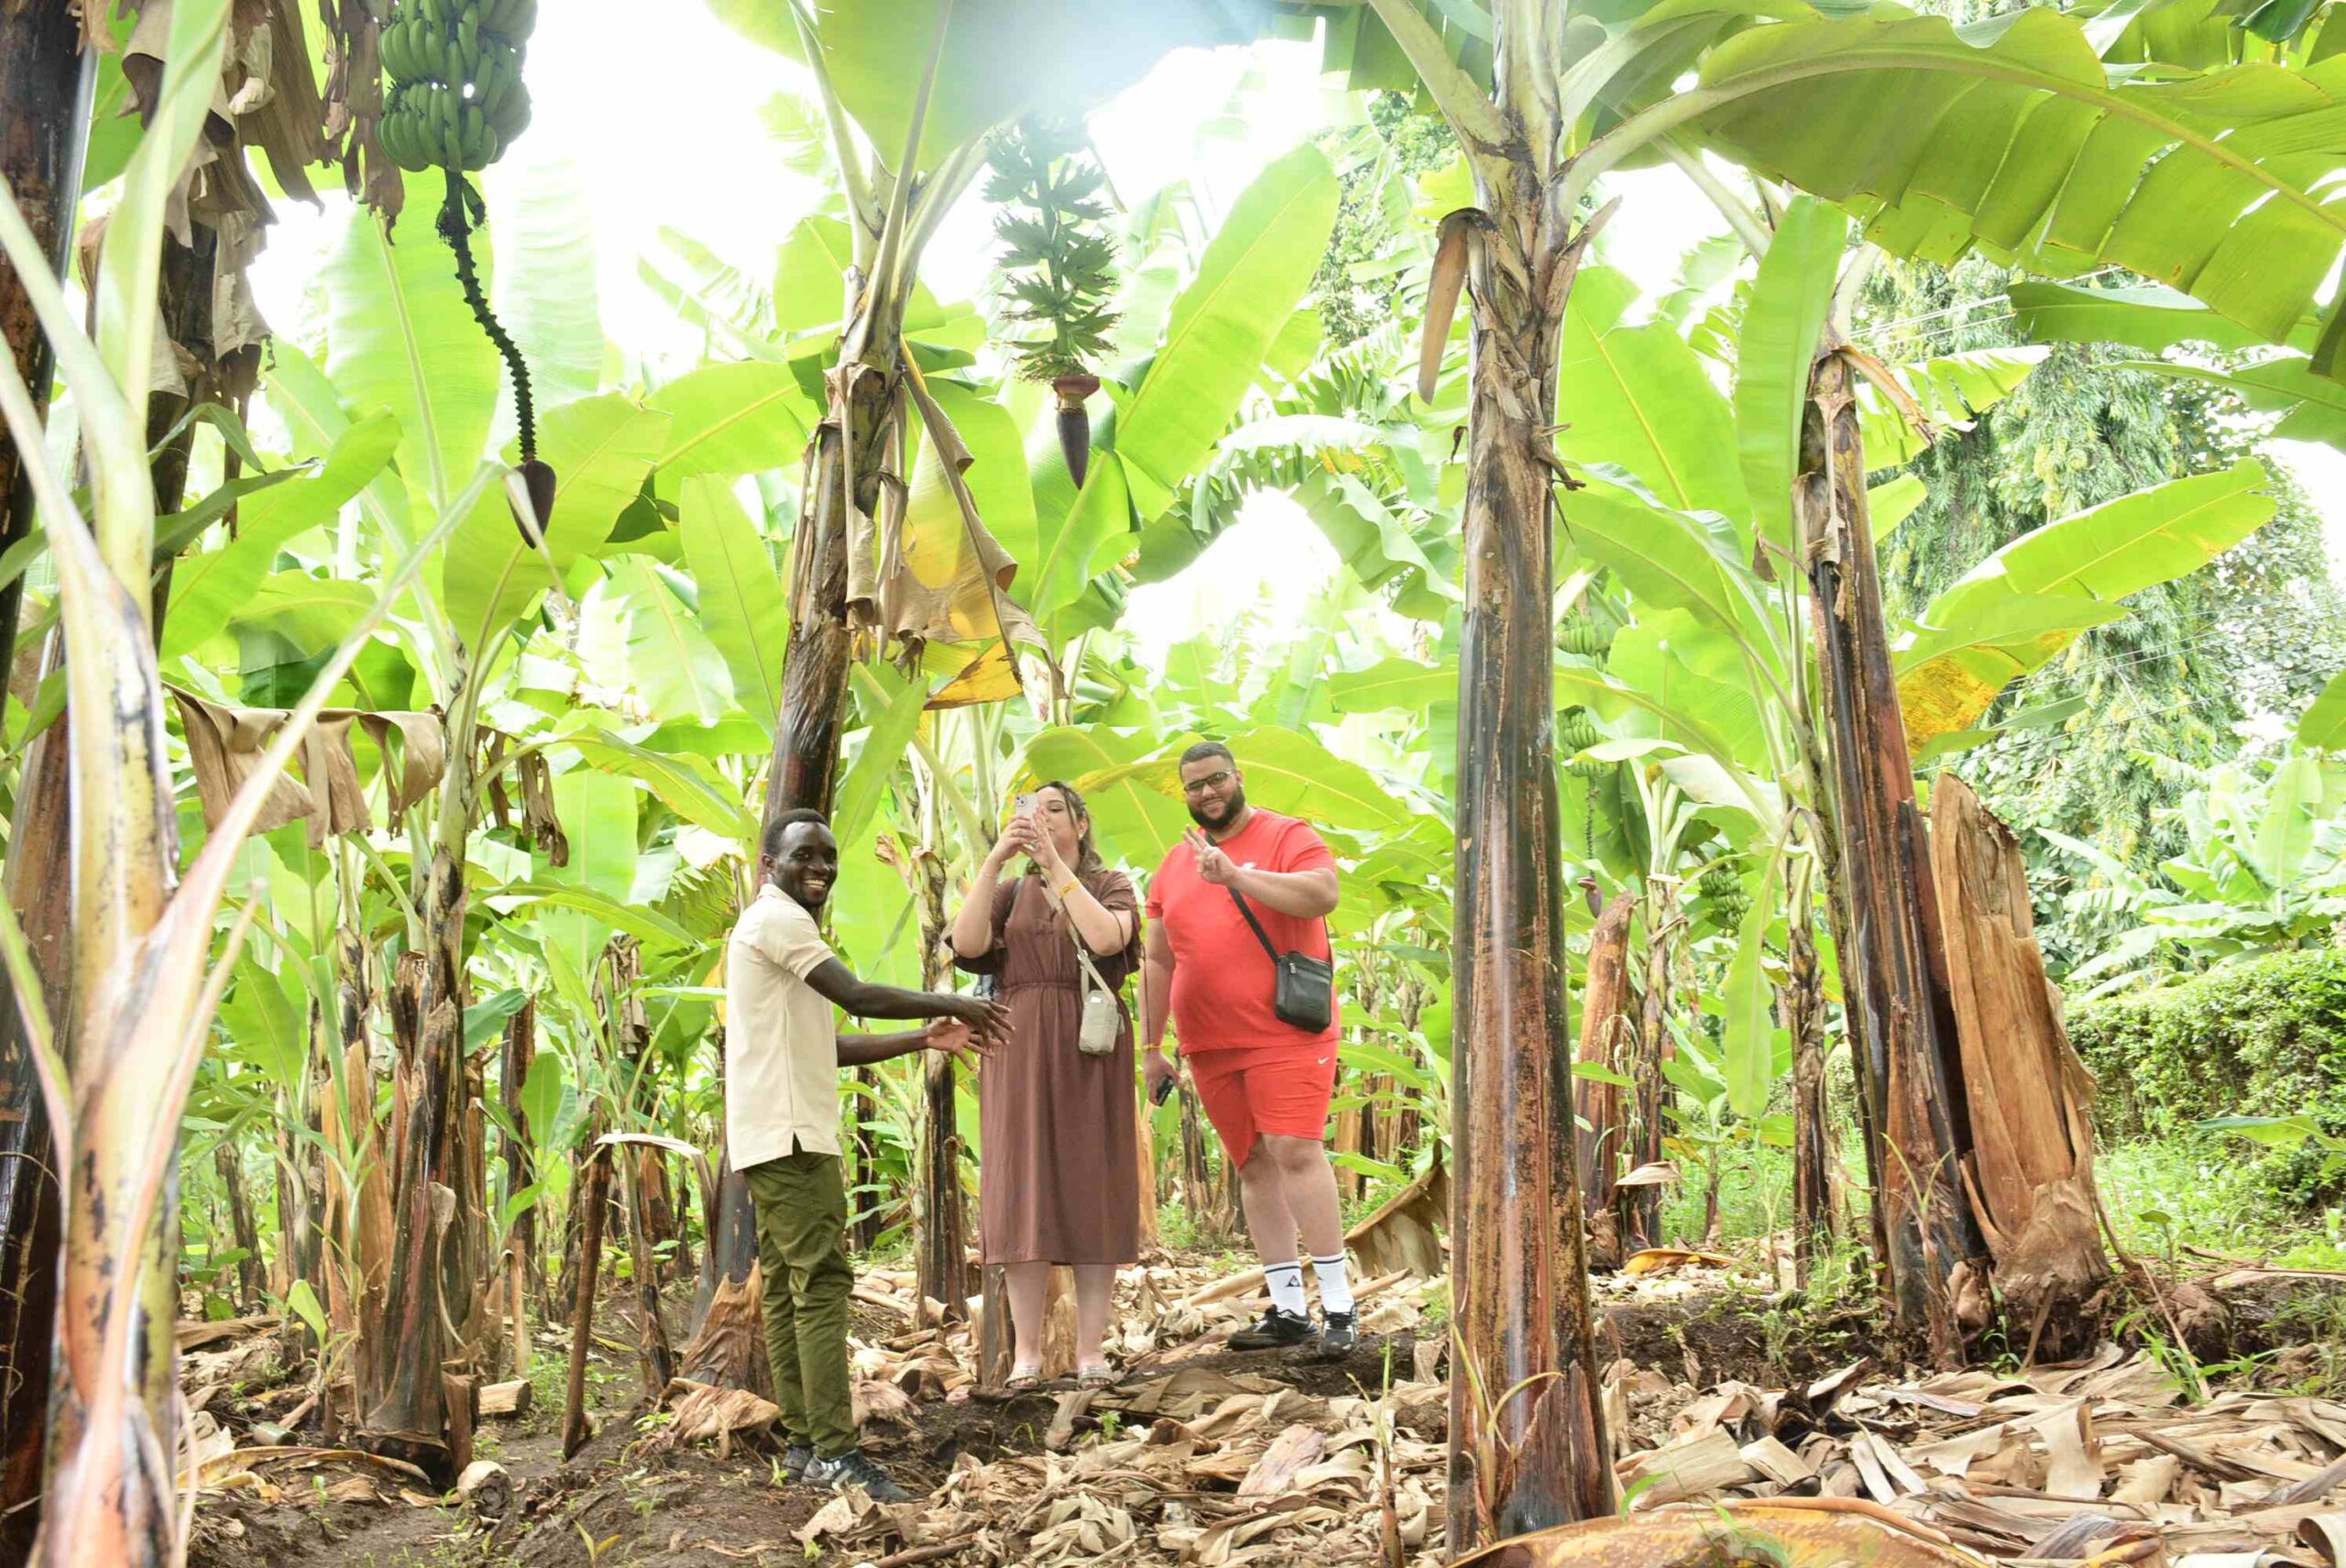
[660, 125]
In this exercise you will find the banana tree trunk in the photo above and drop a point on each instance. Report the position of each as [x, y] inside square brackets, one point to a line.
[1604, 1037]
[46, 87]
[40, 888]
[521, 1160]
[1889, 973]
[845, 463]
[941, 1250]
[1800, 1003]
[1640, 1205]
[431, 1288]
[46, 84]
[1526, 1435]
[631, 1035]
[240, 1223]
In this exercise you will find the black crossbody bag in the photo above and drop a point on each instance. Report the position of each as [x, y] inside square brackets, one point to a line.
[1304, 989]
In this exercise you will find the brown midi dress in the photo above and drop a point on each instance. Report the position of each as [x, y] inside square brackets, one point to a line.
[1058, 1180]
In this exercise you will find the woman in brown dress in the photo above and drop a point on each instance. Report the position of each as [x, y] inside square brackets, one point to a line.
[1058, 1183]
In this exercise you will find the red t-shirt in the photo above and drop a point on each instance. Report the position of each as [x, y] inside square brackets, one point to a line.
[1222, 977]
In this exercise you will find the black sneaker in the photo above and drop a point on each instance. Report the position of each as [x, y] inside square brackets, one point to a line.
[1275, 1330]
[795, 1458]
[1339, 1332]
[851, 1469]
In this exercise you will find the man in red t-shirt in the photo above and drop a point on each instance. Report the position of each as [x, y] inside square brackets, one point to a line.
[1264, 1083]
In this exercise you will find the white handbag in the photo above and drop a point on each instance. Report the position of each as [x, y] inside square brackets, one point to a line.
[1104, 1016]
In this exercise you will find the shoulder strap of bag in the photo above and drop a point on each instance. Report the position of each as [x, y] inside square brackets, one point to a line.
[1083, 956]
[1248, 910]
[1264, 937]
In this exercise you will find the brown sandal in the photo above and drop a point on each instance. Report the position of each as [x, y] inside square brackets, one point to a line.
[1024, 1382]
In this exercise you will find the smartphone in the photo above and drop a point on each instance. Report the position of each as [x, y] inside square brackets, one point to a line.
[1164, 1089]
[1025, 806]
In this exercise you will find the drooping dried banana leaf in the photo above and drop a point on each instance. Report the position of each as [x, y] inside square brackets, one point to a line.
[226, 742]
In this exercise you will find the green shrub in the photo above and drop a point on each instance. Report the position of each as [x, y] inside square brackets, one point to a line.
[2260, 1036]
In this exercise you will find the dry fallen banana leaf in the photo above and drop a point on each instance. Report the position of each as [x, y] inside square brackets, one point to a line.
[1782, 1533]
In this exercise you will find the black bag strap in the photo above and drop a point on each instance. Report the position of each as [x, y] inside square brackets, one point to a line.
[1244, 908]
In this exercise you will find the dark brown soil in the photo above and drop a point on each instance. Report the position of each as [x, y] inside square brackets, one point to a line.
[627, 1498]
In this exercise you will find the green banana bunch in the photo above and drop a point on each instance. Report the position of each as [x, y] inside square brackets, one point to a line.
[1575, 731]
[1580, 635]
[455, 96]
[1725, 891]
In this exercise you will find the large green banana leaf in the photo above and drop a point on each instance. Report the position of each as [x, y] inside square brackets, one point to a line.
[547, 293]
[1222, 324]
[670, 660]
[1637, 397]
[1393, 685]
[1782, 325]
[601, 449]
[2142, 315]
[1674, 561]
[2012, 137]
[210, 587]
[1000, 58]
[733, 419]
[2323, 727]
[399, 335]
[741, 606]
[2034, 597]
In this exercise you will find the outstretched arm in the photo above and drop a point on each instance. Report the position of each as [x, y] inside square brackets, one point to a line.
[944, 1035]
[840, 985]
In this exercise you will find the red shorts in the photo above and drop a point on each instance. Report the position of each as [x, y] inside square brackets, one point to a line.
[1248, 1091]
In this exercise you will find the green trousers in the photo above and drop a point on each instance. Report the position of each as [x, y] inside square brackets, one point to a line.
[802, 1249]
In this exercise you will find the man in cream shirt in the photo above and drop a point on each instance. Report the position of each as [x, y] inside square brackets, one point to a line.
[782, 1057]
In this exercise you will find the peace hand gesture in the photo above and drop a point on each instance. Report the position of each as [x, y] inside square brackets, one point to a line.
[1214, 866]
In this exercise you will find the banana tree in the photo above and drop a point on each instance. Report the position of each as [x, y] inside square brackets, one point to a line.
[116, 1078]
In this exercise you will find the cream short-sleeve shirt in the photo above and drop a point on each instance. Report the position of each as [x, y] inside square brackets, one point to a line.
[782, 1064]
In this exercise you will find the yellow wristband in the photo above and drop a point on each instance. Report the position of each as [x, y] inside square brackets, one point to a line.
[1070, 886]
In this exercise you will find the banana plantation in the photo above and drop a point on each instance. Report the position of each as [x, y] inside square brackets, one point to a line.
[1758, 583]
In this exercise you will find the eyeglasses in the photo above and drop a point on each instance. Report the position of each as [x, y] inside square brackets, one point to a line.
[1211, 781]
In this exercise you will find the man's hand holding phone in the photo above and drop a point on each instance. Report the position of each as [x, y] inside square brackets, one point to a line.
[1164, 1075]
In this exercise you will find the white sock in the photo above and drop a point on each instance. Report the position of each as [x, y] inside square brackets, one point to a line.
[1285, 1280]
[1335, 1290]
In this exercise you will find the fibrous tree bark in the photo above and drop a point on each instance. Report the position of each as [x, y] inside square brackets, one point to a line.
[595, 1193]
[1816, 1157]
[1641, 1202]
[240, 1223]
[2029, 1172]
[940, 1245]
[45, 89]
[628, 1031]
[1932, 1252]
[1526, 1437]
[434, 1284]
[1605, 1037]
[520, 1161]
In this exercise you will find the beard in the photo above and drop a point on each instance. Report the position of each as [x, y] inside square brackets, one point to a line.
[1222, 812]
